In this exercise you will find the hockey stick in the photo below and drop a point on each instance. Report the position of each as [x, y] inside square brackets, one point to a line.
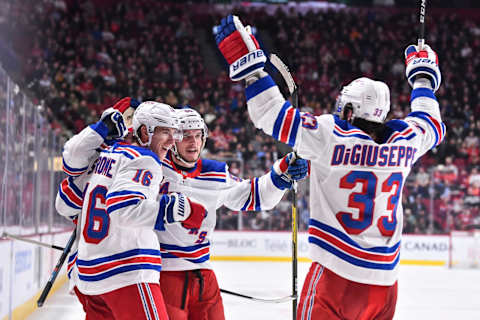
[274, 300]
[57, 268]
[421, 30]
[38, 243]
[293, 90]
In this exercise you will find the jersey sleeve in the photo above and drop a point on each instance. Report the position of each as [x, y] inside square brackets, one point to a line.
[69, 200]
[255, 194]
[82, 148]
[132, 199]
[273, 114]
[425, 119]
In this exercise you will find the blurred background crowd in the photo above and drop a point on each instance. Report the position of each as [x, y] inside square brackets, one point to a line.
[77, 58]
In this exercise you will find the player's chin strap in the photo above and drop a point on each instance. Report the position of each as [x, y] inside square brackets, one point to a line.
[139, 140]
[184, 162]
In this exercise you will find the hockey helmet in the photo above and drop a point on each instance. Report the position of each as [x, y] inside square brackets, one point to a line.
[369, 100]
[154, 114]
[190, 119]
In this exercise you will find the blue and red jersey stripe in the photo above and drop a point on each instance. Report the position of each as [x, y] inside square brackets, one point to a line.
[341, 245]
[121, 199]
[70, 193]
[105, 267]
[196, 253]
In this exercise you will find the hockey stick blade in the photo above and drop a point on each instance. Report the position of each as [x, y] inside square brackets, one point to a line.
[273, 300]
[283, 69]
[284, 72]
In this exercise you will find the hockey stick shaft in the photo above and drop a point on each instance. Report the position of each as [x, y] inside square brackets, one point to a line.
[293, 90]
[294, 251]
[273, 300]
[38, 243]
[294, 229]
[56, 270]
[421, 30]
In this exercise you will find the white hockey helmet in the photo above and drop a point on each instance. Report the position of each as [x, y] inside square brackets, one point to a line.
[369, 99]
[190, 119]
[154, 114]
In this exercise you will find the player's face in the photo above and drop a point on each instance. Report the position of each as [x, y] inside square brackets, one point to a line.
[162, 140]
[191, 145]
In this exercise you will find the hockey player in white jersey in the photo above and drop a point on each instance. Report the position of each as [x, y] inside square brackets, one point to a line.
[189, 286]
[359, 164]
[188, 282]
[118, 259]
[111, 128]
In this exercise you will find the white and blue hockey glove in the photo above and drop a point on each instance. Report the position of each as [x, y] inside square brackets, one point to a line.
[240, 48]
[111, 125]
[175, 207]
[113, 120]
[422, 64]
[288, 169]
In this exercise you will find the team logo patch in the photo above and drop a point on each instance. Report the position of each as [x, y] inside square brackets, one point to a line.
[309, 121]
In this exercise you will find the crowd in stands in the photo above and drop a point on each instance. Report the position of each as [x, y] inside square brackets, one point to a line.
[80, 58]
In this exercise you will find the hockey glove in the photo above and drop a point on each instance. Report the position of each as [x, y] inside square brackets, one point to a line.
[127, 107]
[240, 48]
[175, 207]
[422, 64]
[288, 169]
[123, 104]
[113, 121]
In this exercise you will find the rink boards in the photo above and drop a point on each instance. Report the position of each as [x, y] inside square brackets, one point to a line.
[25, 268]
[429, 250]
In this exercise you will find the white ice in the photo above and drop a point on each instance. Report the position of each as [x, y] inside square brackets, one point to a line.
[424, 293]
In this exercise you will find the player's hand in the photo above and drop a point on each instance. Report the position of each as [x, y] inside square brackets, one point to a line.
[178, 208]
[240, 48]
[113, 121]
[288, 169]
[422, 64]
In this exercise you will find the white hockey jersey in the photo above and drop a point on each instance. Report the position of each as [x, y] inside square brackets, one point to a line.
[78, 153]
[211, 183]
[117, 245]
[356, 213]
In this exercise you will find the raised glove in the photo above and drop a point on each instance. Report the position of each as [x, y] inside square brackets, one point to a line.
[288, 169]
[127, 106]
[113, 121]
[123, 104]
[240, 48]
[175, 207]
[422, 64]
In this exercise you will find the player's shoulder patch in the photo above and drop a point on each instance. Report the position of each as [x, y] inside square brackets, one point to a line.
[309, 121]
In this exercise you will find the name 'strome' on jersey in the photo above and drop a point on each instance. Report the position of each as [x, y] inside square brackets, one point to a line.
[103, 166]
[363, 154]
